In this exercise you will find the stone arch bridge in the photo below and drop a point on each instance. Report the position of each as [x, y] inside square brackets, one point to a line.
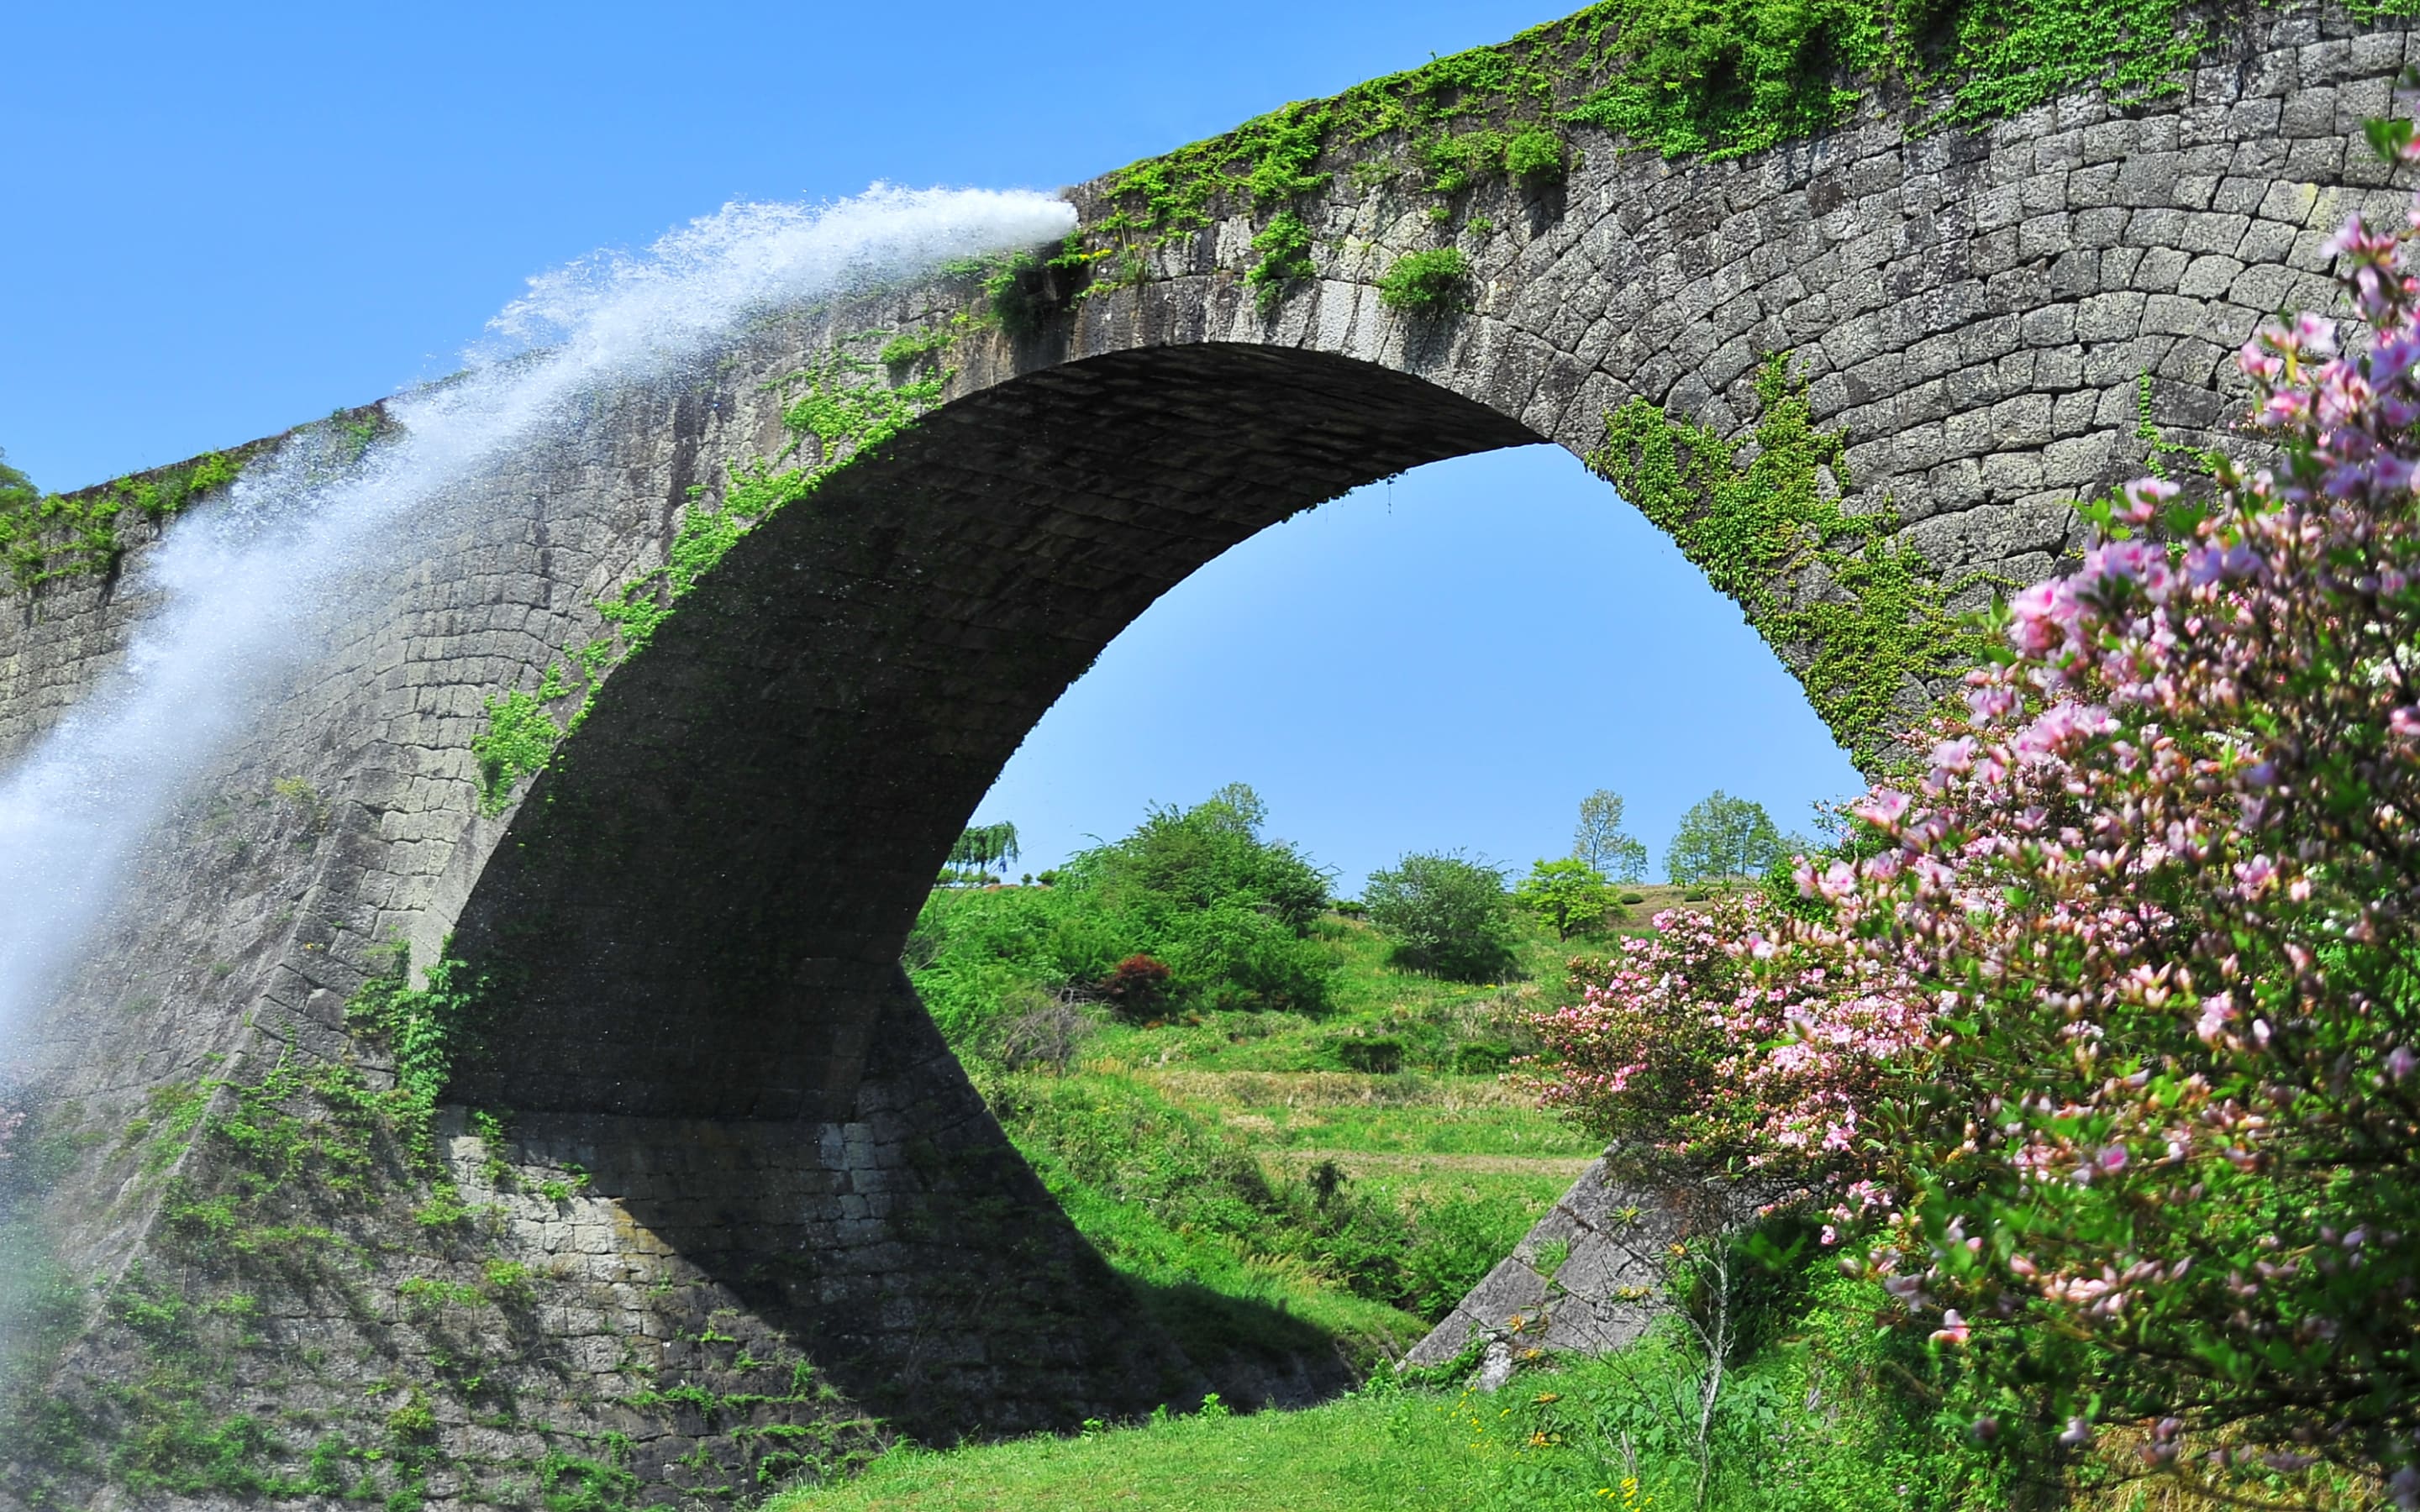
[739, 1158]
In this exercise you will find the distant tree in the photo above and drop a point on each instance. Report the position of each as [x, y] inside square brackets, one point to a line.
[982, 847]
[1601, 843]
[1725, 839]
[1190, 860]
[1449, 915]
[1239, 800]
[1569, 896]
[16, 490]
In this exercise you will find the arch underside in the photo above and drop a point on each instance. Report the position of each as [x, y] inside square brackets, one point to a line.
[699, 907]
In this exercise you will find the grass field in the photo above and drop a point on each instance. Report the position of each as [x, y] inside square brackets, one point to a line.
[1613, 1433]
[1279, 1185]
[1156, 1135]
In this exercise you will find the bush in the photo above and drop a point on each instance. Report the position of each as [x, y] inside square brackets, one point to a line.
[1537, 155]
[1138, 984]
[1427, 283]
[1381, 1058]
[1449, 915]
[1192, 911]
[1044, 1036]
[1569, 896]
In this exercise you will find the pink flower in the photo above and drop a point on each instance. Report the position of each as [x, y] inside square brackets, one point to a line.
[1953, 1328]
[1881, 808]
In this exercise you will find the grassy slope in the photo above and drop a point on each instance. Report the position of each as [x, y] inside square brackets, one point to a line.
[1274, 1087]
[1555, 1439]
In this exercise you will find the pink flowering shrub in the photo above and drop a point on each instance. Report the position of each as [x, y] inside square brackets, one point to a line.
[2162, 884]
[2118, 1009]
[1729, 1041]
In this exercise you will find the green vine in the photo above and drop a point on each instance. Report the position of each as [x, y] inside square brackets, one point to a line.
[2157, 449]
[838, 410]
[1759, 530]
[1713, 78]
[425, 1028]
[46, 537]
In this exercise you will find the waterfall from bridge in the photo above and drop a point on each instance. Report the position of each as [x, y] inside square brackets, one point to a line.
[245, 585]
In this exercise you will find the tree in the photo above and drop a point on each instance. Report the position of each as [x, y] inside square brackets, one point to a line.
[1725, 839]
[981, 847]
[1192, 860]
[1569, 896]
[16, 490]
[1449, 915]
[1601, 843]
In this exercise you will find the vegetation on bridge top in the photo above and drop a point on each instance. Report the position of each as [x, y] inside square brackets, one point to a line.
[47, 536]
[1717, 78]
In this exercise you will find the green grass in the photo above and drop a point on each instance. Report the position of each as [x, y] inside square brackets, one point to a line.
[1564, 1434]
[1201, 1152]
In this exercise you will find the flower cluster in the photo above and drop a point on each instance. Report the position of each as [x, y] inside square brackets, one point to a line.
[2161, 883]
[1728, 1038]
[2105, 1029]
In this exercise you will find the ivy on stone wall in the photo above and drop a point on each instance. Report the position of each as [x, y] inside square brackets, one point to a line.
[44, 537]
[840, 409]
[47, 536]
[1765, 523]
[1713, 78]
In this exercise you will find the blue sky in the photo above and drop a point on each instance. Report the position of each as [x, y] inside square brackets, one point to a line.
[224, 220]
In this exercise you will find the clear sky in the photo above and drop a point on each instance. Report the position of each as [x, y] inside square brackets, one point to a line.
[222, 221]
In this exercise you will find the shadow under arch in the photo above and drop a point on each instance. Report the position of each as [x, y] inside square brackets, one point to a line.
[692, 927]
[697, 911]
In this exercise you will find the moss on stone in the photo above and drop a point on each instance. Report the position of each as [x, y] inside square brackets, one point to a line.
[1865, 616]
[45, 537]
[1713, 78]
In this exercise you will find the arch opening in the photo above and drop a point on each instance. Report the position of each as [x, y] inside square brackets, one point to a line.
[1448, 659]
[698, 909]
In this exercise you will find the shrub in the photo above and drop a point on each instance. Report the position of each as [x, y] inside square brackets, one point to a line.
[1137, 985]
[1382, 1057]
[1569, 896]
[1045, 1035]
[1537, 155]
[1449, 915]
[1427, 283]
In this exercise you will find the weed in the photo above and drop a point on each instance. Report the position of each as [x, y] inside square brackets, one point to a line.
[1429, 284]
[1885, 625]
